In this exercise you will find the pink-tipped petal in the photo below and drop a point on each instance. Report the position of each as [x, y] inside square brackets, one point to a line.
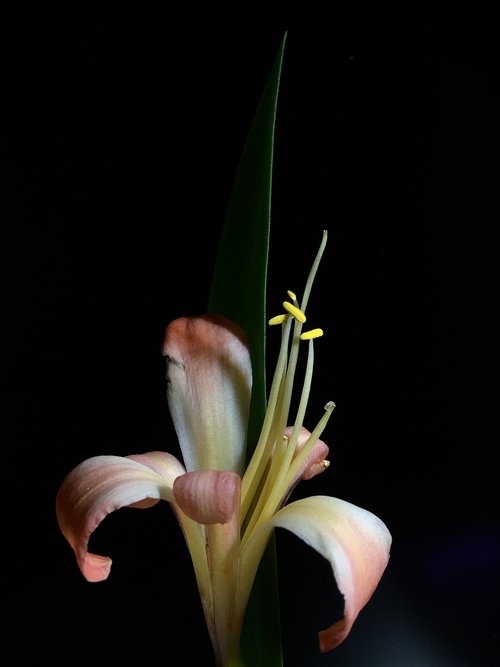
[103, 484]
[353, 540]
[208, 496]
[95, 568]
[314, 463]
[209, 381]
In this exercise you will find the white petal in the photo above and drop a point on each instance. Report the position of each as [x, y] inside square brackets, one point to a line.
[353, 540]
[209, 381]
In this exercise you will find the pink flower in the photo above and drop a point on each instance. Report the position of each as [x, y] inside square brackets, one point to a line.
[226, 510]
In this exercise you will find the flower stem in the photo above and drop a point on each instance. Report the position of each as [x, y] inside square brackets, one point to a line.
[231, 661]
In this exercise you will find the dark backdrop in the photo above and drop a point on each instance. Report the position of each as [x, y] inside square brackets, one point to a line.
[125, 123]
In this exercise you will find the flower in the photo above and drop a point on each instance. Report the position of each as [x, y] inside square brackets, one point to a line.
[228, 511]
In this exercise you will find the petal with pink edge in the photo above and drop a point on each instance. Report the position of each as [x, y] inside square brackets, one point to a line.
[315, 462]
[208, 496]
[209, 382]
[103, 484]
[353, 540]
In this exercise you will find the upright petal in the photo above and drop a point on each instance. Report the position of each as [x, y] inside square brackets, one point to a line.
[103, 484]
[209, 381]
[353, 540]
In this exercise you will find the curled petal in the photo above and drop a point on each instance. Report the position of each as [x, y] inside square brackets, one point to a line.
[208, 496]
[209, 381]
[163, 463]
[315, 462]
[103, 484]
[353, 540]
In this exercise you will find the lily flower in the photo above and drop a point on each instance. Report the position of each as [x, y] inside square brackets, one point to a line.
[227, 510]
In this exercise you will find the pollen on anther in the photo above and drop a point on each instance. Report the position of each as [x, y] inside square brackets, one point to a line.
[313, 333]
[293, 310]
[277, 319]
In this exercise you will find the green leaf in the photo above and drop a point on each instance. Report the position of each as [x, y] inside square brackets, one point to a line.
[238, 291]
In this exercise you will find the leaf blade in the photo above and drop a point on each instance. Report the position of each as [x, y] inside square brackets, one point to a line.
[238, 291]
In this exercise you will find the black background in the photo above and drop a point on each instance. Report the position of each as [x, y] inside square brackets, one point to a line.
[126, 122]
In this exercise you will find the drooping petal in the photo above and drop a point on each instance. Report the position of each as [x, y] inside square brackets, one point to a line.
[209, 380]
[103, 484]
[208, 496]
[353, 540]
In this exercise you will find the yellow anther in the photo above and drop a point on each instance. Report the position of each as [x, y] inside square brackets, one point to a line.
[293, 310]
[277, 319]
[309, 335]
[292, 295]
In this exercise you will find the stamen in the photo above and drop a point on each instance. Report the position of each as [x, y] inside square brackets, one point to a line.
[280, 461]
[256, 467]
[276, 492]
[275, 461]
[296, 312]
[313, 333]
[277, 319]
